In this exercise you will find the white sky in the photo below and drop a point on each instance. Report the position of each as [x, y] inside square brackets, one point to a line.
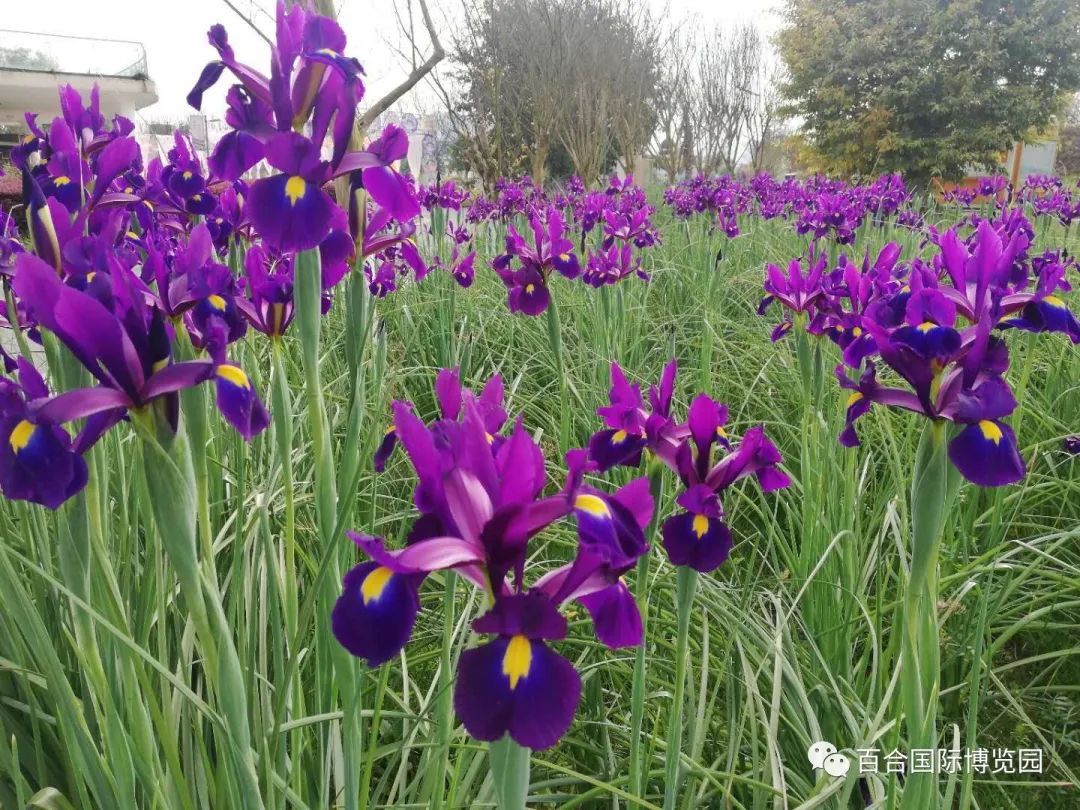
[174, 35]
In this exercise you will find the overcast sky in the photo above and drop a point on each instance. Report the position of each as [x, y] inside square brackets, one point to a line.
[174, 34]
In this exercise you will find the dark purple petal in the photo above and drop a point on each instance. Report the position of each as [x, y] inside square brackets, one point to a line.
[374, 616]
[385, 449]
[290, 212]
[79, 404]
[176, 377]
[611, 448]
[37, 463]
[700, 542]
[615, 616]
[518, 687]
[238, 402]
[234, 154]
[985, 453]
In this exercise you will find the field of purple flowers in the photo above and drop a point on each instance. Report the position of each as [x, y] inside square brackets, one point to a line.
[325, 489]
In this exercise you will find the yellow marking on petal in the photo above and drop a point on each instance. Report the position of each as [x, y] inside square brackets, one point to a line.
[186, 175]
[618, 437]
[132, 235]
[389, 430]
[990, 431]
[701, 525]
[90, 276]
[593, 505]
[926, 326]
[1054, 301]
[234, 375]
[27, 138]
[490, 438]
[21, 435]
[128, 189]
[217, 302]
[158, 365]
[721, 432]
[517, 659]
[327, 52]
[855, 397]
[529, 289]
[857, 331]
[295, 189]
[375, 583]
[564, 257]
[62, 180]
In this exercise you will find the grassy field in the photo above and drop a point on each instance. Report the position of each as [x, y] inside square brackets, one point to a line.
[792, 639]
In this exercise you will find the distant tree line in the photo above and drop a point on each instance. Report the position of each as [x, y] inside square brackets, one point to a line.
[927, 87]
[554, 87]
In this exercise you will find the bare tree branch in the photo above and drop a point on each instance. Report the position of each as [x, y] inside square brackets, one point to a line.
[437, 55]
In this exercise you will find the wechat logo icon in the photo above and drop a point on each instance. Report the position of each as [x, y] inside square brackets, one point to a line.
[823, 756]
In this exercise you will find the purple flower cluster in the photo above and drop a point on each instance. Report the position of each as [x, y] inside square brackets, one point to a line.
[936, 324]
[126, 268]
[479, 502]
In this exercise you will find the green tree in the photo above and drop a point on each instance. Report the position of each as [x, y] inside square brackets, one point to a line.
[927, 87]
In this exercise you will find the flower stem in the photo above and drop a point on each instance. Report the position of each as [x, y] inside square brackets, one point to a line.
[446, 696]
[931, 494]
[308, 291]
[555, 339]
[686, 585]
[509, 773]
[641, 590]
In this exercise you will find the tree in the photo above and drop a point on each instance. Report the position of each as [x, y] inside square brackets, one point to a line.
[928, 87]
[723, 86]
[27, 59]
[1068, 156]
[672, 105]
[533, 81]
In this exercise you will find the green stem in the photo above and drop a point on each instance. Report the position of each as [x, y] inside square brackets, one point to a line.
[555, 340]
[509, 773]
[686, 585]
[641, 590]
[446, 702]
[931, 493]
[281, 401]
[345, 669]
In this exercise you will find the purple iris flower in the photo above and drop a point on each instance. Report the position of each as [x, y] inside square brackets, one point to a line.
[697, 536]
[125, 346]
[38, 462]
[479, 499]
[312, 87]
[797, 292]
[527, 285]
[954, 375]
[631, 426]
[268, 305]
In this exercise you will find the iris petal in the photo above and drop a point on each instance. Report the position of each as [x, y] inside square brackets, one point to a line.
[290, 213]
[238, 402]
[516, 686]
[700, 542]
[985, 453]
[611, 448]
[374, 616]
[615, 616]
